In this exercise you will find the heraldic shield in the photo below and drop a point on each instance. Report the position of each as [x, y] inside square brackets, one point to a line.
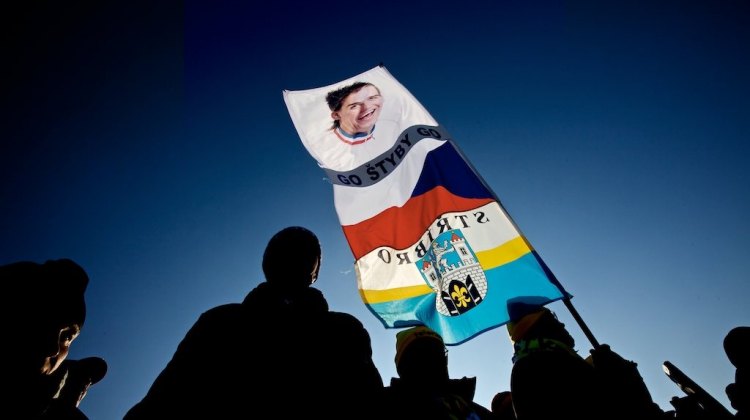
[452, 270]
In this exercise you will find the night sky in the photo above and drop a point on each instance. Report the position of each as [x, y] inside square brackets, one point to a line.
[151, 144]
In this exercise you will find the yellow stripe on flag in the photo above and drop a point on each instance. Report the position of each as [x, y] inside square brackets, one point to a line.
[503, 254]
[398, 293]
[489, 259]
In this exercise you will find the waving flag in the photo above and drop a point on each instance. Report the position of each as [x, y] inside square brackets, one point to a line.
[432, 244]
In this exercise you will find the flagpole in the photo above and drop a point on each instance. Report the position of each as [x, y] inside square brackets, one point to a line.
[566, 296]
[579, 320]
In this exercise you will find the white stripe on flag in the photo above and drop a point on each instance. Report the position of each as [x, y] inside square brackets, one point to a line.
[376, 274]
[355, 204]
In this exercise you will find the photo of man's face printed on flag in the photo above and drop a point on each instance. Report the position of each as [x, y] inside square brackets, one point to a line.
[347, 124]
[355, 109]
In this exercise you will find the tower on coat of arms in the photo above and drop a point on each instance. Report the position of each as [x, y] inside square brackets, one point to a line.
[451, 269]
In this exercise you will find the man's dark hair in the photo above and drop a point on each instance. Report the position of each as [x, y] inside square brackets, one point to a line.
[336, 97]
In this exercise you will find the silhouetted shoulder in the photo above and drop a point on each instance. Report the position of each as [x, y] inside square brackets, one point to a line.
[268, 297]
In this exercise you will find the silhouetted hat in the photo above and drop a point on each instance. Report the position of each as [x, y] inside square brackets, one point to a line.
[522, 317]
[80, 374]
[93, 368]
[407, 337]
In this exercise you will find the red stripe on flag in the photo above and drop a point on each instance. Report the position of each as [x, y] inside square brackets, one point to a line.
[401, 227]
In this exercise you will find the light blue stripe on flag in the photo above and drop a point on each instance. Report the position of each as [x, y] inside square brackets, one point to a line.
[522, 280]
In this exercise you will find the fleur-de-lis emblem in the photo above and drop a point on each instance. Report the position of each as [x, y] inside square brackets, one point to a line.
[459, 295]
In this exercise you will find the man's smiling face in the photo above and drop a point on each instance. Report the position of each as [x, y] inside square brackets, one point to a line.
[360, 110]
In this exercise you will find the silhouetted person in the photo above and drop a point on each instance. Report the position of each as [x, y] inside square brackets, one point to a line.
[625, 391]
[502, 406]
[44, 310]
[549, 379]
[279, 354]
[79, 376]
[737, 348]
[424, 389]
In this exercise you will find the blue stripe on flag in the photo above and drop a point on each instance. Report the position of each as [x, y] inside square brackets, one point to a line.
[445, 167]
[522, 280]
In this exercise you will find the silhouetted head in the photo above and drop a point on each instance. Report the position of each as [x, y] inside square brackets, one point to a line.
[292, 258]
[737, 347]
[502, 405]
[421, 356]
[49, 311]
[534, 321]
[66, 283]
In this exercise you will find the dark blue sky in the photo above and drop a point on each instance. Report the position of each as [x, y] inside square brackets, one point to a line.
[151, 144]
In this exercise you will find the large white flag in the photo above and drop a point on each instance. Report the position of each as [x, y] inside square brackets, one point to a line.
[431, 242]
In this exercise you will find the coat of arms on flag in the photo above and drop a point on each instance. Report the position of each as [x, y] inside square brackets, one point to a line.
[432, 244]
[453, 272]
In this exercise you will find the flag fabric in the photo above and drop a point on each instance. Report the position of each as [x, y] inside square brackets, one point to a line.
[432, 243]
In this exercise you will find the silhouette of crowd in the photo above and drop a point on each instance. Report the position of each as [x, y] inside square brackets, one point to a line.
[282, 353]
